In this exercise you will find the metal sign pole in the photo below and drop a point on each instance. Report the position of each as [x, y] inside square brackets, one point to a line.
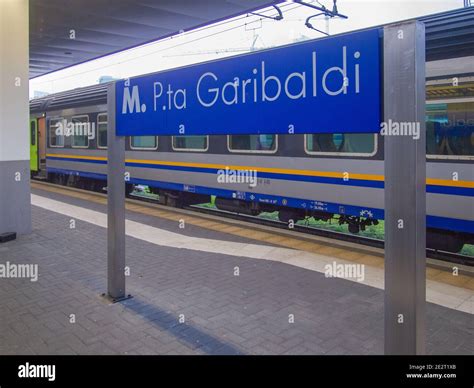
[115, 205]
[405, 195]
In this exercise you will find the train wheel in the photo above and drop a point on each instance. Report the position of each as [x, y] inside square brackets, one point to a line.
[128, 189]
[286, 215]
[353, 228]
[443, 241]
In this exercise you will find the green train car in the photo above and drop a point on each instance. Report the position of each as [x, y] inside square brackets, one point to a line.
[38, 145]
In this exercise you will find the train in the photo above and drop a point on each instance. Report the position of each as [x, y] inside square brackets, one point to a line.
[324, 176]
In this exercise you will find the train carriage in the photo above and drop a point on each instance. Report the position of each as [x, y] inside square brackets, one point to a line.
[318, 175]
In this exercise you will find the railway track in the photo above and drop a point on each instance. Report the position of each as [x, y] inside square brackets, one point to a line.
[455, 258]
[449, 257]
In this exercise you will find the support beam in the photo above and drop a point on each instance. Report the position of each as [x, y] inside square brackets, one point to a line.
[115, 205]
[15, 206]
[405, 195]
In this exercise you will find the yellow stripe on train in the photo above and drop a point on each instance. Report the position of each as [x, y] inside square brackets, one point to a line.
[327, 174]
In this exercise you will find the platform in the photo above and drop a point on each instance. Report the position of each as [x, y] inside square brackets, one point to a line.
[187, 298]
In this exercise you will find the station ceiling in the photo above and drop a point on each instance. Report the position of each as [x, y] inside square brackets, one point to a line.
[67, 32]
[102, 27]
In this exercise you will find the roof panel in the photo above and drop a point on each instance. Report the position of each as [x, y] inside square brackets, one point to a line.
[449, 34]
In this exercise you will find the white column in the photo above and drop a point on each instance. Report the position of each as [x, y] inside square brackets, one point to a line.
[15, 208]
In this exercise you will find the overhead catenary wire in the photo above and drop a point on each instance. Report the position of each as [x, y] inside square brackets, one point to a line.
[286, 7]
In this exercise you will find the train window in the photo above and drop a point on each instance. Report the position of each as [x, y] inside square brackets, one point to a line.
[450, 130]
[33, 132]
[252, 143]
[190, 143]
[143, 142]
[80, 136]
[102, 130]
[54, 139]
[350, 144]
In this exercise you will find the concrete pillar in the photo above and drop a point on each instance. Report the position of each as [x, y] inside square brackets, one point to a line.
[15, 207]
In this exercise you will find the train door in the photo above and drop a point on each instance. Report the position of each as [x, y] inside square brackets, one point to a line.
[42, 144]
[33, 146]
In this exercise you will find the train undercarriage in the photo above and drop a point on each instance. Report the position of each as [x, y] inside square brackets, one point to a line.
[435, 238]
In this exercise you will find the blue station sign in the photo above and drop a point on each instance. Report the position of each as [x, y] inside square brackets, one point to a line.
[324, 85]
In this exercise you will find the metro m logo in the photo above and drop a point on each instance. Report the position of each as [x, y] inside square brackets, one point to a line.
[132, 102]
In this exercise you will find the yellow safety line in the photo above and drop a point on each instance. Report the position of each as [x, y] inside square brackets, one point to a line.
[443, 276]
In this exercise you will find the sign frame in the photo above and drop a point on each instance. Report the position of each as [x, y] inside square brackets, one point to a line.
[405, 175]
